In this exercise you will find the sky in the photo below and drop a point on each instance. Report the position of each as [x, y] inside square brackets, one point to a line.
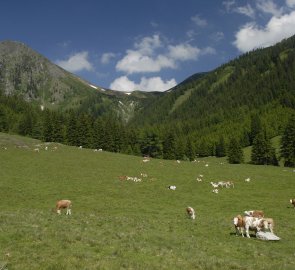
[148, 45]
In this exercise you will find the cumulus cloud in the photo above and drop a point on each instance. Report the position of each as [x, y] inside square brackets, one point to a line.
[76, 62]
[123, 83]
[199, 21]
[106, 57]
[251, 36]
[150, 54]
[183, 52]
[136, 62]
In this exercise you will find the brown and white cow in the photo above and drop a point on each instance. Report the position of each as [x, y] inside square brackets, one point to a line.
[247, 223]
[292, 201]
[191, 212]
[63, 204]
[254, 213]
[267, 224]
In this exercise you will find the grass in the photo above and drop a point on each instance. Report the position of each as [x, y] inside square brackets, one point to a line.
[126, 225]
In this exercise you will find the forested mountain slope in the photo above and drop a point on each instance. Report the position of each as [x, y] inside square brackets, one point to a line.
[221, 102]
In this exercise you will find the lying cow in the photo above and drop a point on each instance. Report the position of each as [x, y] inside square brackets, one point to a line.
[172, 187]
[292, 201]
[63, 204]
[191, 212]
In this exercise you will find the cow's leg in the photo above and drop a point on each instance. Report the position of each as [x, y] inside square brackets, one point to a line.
[58, 211]
[247, 232]
[68, 211]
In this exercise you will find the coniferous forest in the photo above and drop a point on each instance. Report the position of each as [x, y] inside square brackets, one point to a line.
[245, 102]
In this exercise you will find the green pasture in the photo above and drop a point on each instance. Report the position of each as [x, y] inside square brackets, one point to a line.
[119, 224]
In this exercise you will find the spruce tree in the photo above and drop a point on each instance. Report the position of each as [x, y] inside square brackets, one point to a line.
[169, 146]
[220, 147]
[190, 150]
[235, 152]
[262, 152]
[256, 127]
[288, 143]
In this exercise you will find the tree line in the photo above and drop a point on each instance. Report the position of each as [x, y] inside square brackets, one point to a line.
[78, 128]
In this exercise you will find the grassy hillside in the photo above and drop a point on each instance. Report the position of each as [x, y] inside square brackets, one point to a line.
[126, 225]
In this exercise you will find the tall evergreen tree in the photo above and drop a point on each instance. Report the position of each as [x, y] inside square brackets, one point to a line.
[256, 127]
[220, 147]
[234, 152]
[190, 150]
[169, 146]
[288, 143]
[262, 151]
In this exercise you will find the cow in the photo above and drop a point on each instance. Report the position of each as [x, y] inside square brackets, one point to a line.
[239, 223]
[254, 213]
[252, 223]
[191, 212]
[292, 201]
[172, 187]
[63, 204]
[247, 223]
[267, 224]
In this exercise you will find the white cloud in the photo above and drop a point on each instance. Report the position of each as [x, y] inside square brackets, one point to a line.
[183, 52]
[246, 10]
[76, 62]
[123, 83]
[290, 3]
[136, 62]
[217, 36]
[268, 6]
[199, 21]
[106, 57]
[228, 5]
[250, 36]
[152, 55]
[148, 44]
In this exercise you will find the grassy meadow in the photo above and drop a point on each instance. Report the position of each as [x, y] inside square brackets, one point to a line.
[119, 224]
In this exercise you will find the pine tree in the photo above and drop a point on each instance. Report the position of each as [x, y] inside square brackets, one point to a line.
[169, 146]
[220, 147]
[235, 152]
[262, 151]
[190, 150]
[256, 127]
[288, 143]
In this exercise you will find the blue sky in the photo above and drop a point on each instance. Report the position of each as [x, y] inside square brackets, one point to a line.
[144, 44]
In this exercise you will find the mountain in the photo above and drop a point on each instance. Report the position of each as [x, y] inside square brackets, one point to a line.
[199, 113]
[26, 73]
[221, 102]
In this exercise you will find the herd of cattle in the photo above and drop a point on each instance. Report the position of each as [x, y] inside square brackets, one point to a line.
[252, 220]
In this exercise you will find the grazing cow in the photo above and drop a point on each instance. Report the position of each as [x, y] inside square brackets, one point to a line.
[191, 212]
[215, 185]
[239, 223]
[246, 223]
[63, 204]
[292, 201]
[254, 213]
[172, 187]
[252, 223]
[267, 224]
